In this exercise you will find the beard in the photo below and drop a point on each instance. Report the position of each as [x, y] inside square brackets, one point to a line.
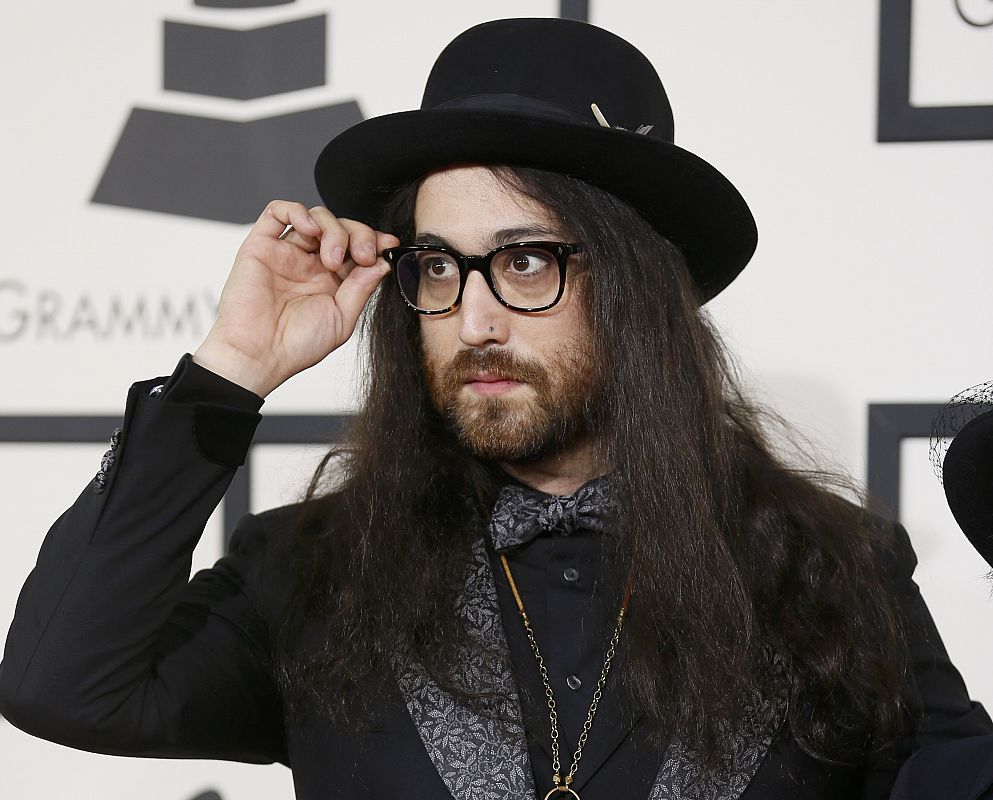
[554, 415]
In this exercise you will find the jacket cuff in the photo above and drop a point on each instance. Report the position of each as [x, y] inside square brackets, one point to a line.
[225, 415]
[191, 383]
[224, 435]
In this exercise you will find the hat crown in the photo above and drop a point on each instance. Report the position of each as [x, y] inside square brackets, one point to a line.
[553, 66]
[518, 92]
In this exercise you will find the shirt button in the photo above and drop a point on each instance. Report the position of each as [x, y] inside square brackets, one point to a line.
[574, 683]
[571, 574]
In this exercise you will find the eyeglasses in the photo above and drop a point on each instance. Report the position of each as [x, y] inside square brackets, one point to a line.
[524, 276]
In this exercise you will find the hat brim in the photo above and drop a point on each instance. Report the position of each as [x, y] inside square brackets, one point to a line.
[968, 477]
[682, 196]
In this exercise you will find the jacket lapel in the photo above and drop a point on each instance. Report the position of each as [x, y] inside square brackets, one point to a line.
[681, 777]
[611, 727]
[478, 757]
[484, 758]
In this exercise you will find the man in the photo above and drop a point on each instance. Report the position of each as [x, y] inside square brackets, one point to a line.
[557, 557]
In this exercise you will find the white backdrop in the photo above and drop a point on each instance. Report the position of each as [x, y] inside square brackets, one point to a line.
[871, 282]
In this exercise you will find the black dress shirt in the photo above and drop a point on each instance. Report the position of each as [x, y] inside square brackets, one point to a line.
[572, 589]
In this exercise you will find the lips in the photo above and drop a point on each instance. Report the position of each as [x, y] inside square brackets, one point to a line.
[490, 383]
[491, 372]
[487, 377]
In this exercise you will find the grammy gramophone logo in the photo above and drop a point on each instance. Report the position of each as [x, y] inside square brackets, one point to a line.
[227, 169]
[224, 169]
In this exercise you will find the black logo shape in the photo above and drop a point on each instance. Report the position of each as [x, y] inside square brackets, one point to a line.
[970, 20]
[210, 794]
[222, 169]
[227, 170]
[899, 121]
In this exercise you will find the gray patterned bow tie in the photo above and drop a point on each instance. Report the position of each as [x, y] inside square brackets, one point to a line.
[520, 514]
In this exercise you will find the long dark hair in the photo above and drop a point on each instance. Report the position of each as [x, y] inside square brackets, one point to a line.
[738, 556]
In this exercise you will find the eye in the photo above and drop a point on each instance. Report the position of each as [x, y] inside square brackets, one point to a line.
[522, 262]
[438, 267]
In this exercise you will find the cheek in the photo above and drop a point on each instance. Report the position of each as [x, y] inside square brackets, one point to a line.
[439, 338]
[567, 328]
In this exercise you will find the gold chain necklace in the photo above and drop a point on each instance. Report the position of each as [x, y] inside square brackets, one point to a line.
[564, 786]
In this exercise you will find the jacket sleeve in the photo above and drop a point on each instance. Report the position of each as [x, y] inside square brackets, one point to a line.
[953, 758]
[945, 712]
[944, 717]
[112, 648]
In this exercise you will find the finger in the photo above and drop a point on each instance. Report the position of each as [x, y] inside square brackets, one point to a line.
[361, 242]
[345, 269]
[309, 244]
[280, 213]
[355, 291]
[334, 238]
[385, 240]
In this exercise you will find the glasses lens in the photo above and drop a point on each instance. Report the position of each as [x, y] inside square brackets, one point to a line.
[526, 277]
[428, 279]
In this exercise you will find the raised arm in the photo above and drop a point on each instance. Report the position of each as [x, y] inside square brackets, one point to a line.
[112, 647]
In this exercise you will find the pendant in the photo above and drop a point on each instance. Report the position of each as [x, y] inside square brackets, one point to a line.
[559, 790]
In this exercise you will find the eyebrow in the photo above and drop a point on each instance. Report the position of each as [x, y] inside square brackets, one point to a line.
[496, 238]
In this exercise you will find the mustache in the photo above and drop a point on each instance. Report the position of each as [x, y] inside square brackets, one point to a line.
[502, 362]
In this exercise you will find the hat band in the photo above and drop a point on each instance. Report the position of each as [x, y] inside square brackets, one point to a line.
[543, 109]
[521, 104]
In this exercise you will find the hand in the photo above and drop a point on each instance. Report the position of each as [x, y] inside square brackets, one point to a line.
[293, 295]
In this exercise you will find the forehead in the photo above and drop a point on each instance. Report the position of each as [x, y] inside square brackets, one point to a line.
[467, 205]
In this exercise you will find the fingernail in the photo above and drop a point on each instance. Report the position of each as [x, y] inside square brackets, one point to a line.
[338, 255]
[369, 250]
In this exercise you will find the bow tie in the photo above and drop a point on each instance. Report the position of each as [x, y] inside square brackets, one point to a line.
[520, 514]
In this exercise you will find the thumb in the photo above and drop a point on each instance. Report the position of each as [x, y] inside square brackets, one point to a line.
[357, 288]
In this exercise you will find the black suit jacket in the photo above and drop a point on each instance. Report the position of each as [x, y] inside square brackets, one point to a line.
[113, 650]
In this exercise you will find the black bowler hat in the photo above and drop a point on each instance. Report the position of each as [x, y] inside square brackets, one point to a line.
[967, 473]
[520, 92]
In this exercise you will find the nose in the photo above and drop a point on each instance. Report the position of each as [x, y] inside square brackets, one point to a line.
[484, 319]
